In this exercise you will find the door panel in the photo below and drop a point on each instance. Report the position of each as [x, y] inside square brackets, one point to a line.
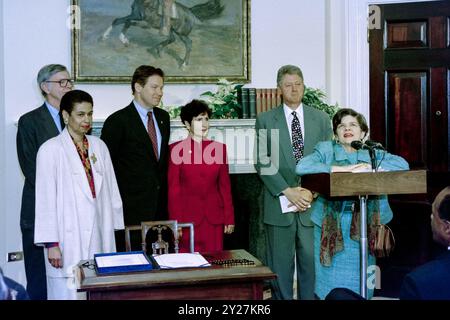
[407, 103]
[409, 112]
[412, 34]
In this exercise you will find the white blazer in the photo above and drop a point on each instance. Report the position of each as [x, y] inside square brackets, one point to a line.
[66, 212]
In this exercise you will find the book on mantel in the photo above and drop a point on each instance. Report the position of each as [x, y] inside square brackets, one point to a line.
[123, 262]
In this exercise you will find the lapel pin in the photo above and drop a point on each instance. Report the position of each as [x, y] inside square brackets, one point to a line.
[94, 158]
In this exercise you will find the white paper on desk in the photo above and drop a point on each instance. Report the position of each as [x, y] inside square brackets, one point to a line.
[181, 260]
[121, 260]
[284, 202]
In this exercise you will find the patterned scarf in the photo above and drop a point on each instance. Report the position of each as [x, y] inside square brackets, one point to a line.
[84, 157]
[331, 240]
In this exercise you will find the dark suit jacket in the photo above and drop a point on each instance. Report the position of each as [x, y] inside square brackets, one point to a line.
[141, 178]
[35, 128]
[428, 282]
[17, 291]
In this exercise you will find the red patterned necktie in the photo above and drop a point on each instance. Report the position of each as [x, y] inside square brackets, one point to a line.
[152, 134]
[297, 137]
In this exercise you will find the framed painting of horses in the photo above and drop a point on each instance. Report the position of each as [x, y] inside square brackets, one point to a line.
[192, 41]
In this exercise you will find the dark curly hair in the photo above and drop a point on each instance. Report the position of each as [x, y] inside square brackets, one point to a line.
[337, 118]
[193, 109]
[72, 97]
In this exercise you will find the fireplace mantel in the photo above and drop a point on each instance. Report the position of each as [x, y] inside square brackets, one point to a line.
[237, 134]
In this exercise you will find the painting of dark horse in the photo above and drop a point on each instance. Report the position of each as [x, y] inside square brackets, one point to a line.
[205, 39]
[149, 14]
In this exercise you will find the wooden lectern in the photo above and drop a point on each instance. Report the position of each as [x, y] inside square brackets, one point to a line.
[362, 185]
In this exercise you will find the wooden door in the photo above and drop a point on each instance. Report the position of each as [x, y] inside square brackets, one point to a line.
[409, 101]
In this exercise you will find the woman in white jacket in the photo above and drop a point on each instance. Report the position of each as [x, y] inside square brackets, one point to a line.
[78, 205]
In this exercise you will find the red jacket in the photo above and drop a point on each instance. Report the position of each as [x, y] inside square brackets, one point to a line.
[199, 182]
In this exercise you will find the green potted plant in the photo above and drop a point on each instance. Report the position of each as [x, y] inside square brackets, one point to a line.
[224, 102]
[315, 98]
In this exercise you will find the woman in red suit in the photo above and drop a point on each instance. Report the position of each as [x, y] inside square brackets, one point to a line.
[199, 183]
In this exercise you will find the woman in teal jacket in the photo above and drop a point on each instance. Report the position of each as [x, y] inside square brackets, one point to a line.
[336, 226]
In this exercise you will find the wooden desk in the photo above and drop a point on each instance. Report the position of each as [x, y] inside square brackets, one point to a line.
[211, 283]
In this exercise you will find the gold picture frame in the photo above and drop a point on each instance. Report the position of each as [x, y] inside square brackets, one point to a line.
[111, 38]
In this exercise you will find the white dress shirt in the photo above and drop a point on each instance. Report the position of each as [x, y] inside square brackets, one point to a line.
[290, 117]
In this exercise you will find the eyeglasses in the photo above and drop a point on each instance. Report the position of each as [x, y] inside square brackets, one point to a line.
[88, 265]
[63, 82]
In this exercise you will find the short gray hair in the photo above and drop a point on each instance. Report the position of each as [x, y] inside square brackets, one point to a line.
[47, 72]
[288, 69]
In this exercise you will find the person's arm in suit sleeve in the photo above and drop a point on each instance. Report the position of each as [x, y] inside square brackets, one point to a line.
[116, 200]
[225, 191]
[267, 163]
[409, 290]
[112, 136]
[327, 129]
[27, 150]
[175, 203]
[264, 151]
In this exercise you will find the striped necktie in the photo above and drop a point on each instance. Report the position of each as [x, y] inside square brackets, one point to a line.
[152, 134]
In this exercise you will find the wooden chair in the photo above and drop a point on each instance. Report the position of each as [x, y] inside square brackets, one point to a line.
[189, 225]
[162, 236]
[128, 231]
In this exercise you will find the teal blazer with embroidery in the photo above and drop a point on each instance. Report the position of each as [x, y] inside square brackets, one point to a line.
[329, 153]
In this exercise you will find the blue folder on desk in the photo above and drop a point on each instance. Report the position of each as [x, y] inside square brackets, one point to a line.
[123, 262]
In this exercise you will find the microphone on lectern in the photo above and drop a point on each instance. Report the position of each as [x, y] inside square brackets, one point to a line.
[368, 145]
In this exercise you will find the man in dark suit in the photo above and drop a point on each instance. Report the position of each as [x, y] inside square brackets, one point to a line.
[284, 135]
[35, 128]
[432, 280]
[137, 137]
[11, 290]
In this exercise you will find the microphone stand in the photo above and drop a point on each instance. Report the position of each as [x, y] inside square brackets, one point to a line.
[373, 159]
[363, 246]
[363, 229]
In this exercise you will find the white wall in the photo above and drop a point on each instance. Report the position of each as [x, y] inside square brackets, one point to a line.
[288, 32]
[35, 34]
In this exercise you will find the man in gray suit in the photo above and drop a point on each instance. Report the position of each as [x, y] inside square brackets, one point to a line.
[284, 135]
[36, 127]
